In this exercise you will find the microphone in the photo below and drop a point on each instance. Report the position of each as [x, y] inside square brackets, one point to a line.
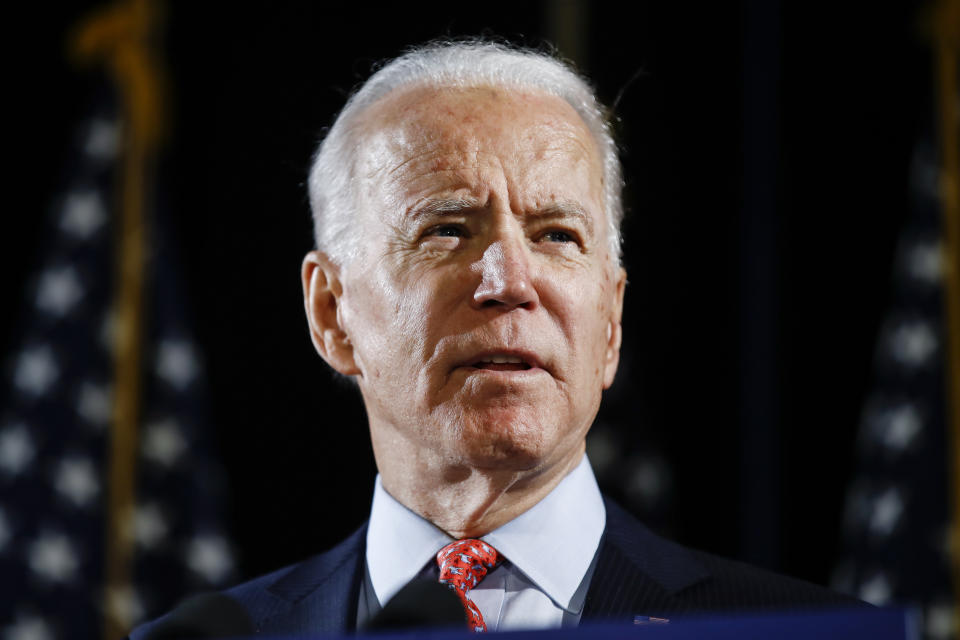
[420, 604]
[209, 615]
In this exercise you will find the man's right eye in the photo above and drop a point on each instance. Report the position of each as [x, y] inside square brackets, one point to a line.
[446, 231]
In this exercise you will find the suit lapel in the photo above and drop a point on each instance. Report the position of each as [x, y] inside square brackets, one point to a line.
[321, 594]
[638, 573]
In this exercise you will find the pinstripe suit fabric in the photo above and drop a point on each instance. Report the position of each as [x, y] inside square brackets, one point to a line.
[637, 573]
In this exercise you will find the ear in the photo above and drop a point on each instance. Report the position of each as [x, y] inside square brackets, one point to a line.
[614, 331]
[322, 293]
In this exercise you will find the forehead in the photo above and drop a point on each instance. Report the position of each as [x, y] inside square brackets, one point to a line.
[480, 109]
[427, 130]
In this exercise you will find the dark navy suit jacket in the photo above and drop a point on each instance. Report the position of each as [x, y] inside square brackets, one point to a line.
[637, 573]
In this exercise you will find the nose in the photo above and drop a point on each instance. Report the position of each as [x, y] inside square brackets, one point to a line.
[505, 277]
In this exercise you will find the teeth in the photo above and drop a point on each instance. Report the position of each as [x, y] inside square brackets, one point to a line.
[503, 360]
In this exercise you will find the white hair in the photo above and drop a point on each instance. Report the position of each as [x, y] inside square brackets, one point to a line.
[459, 64]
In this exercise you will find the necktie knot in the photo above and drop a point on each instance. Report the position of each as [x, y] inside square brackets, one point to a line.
[463, 564]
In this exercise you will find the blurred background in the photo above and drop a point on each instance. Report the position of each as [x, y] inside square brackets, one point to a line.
[781, 397]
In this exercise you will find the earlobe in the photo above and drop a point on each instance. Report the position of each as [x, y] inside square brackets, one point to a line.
[322, 302]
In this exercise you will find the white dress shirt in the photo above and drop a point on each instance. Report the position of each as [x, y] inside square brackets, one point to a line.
[549, 553]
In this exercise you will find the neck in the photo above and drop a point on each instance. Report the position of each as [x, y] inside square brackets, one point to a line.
[465, 501]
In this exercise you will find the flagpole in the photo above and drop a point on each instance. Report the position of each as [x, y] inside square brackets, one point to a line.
[121, 37]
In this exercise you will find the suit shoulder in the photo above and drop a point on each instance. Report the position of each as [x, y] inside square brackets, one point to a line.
[691, 580]
[746, 587]
[256, 588]
[266, 596]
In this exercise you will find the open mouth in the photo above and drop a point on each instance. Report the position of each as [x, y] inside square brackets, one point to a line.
[502, 363]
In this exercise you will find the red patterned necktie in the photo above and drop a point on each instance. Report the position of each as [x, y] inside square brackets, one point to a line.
[463, 564]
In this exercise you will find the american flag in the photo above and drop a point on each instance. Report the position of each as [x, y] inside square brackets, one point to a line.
[55, 425]
[896, 525]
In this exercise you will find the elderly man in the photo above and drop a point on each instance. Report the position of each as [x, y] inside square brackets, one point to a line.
[467, 278]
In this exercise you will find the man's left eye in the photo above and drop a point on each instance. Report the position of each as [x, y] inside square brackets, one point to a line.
[558, 236]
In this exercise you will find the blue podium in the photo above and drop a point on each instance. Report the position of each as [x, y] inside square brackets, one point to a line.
[848, 624]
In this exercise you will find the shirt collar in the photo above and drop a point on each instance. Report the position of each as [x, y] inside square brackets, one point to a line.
[399, 543]
[568, 523]
[553, 543]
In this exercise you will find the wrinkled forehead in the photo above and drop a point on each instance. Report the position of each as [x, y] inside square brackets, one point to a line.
[411, 123]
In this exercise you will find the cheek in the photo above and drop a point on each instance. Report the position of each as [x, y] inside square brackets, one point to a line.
[582, 309]
[405, 312]
[401, 321]
[417, 304]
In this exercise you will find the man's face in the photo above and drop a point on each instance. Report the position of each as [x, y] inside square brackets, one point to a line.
[483, 309]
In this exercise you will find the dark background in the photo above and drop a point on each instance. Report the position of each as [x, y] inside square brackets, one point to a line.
[766, 149]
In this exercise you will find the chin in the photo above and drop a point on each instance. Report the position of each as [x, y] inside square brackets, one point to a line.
[510, 441]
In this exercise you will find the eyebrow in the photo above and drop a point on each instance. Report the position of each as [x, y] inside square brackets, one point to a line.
[452, 206]
[566, 209]
[445, 206]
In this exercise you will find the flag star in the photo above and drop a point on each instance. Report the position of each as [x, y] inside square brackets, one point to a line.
[76, 480]
[103, 139]
[924, 262]
[602, 449]
[59, 290]
[913, 343]
[36, 370]
[28, 628]
[209, 556]
[5, 530]
[95, 404]
[163, 442]
[53, 558]
[877, 590]
[149, 526]
[886, 512]
[903, 425]
[177, 363]
[16, 449]
[647, 481]
[124, 607]
[83, 214]
[940, 621]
